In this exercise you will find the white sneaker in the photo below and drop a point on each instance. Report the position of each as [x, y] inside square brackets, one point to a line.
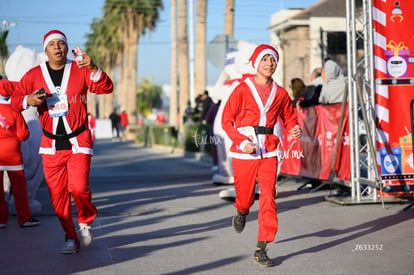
[31, 222]
[69, 248]
[2, 225]
[85, 234]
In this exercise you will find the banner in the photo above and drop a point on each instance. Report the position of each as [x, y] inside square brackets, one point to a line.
[394, 76]
[312, 157]
[311, 162]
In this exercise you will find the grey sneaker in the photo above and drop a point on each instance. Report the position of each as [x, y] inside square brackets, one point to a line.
[31, 222]
[261, 258]
[2, 225]
[239, 221]
[69, 247]
[85, 234]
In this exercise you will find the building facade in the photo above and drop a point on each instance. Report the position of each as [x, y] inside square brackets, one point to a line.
[306, 37]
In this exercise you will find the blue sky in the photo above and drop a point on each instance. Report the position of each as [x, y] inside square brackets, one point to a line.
[35, 18]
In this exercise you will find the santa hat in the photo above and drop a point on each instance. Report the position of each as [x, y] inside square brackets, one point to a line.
[260, 52]
[55, 34]
[6, 88]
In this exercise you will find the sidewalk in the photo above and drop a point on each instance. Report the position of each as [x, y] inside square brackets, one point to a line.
[159, 213]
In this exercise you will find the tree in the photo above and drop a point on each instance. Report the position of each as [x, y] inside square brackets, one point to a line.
[4, 52]
[148, 97]
[173, 77]
[183, 58]
[103, 45]
[229, 18]
[131, 19]
[200, 61]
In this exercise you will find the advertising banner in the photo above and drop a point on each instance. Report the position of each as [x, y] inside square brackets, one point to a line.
[312, 157]
[394, 77]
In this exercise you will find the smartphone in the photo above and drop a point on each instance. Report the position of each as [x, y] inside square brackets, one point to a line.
[41, 92]
[77, 54]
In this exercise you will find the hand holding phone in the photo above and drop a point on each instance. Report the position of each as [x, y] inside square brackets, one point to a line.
[41, 92]
[77, 54]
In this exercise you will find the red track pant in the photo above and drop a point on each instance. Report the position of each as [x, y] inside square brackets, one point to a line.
[67, 173]
[21, 201]
[246, 172]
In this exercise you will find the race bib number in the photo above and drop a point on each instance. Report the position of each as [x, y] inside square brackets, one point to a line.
[57, 106]
[249, 132]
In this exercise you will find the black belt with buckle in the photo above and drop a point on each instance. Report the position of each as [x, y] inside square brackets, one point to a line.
[67, 136]
[263, 130]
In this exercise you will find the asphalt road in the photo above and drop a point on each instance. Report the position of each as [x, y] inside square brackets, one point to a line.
[160, 213]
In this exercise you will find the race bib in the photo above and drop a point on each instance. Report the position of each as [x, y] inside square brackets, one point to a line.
[57, 106]
[249, 132]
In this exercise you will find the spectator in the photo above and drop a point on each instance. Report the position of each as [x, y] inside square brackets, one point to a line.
[311, 96]
[160, 117]
[315, 85]
[189, 114]
[298, 88]
[197, 109]
[205, 103]
[316, 77]
[123, 118]
[333, 90]
[115, 120]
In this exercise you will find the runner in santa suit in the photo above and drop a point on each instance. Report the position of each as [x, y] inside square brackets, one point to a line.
[13, 130]
[249, 118]
[66, 145]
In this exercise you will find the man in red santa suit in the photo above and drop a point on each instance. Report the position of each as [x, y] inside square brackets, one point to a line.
[13, 130]
[66, 145]
[249, 117]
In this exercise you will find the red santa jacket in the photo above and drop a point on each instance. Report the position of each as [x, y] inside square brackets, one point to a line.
[13, 130]
[124, 119]
[244, 109]
[75, 85]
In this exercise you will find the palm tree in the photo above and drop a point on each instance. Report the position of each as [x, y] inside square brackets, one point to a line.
[229, 18]
[173, 76]
[132, 18]
[183, 58]
[200, 61]
[4, 52]
[102, 44]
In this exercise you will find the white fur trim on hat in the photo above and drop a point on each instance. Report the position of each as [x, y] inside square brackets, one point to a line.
[262, 54]
[54, 35]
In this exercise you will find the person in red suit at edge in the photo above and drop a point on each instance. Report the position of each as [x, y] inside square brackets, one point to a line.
[123, 117]
[66, 145]
[92, 125]
[13, 130]
[249, 117]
